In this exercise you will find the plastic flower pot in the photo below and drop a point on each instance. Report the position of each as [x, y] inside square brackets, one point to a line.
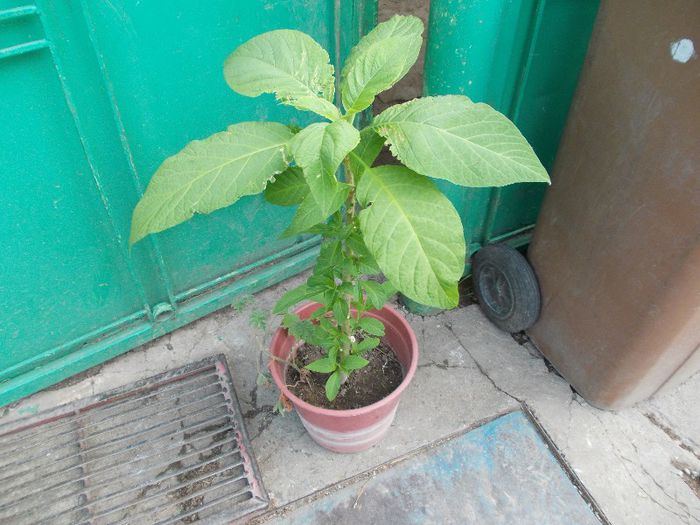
[359, 428]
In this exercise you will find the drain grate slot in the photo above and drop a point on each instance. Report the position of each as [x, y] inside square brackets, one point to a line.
[169, 449]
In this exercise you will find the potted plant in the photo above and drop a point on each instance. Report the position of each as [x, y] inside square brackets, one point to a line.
[344, 358]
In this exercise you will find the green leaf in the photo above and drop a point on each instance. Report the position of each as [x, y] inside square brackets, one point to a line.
[318, 105]
[210, 174]
[365, 262]
[372, 326]
[367, 266]
[414, 233]
[329, 257]
[323, 366]
[258, 319]
[321, 282]
[333, 352]
[292, 297]
[366, 344]
[288, 188]
[290, 320]
[452, 138]
[288, 63]
[319, 149]
[346, 288]
[263, 378]
[333, 386]
[366, 152]
[309, 213]
[303, 329]
[353, 362]
[333, 228]
[340, 310]
[241, 302]
[378, 294]
[379, 60]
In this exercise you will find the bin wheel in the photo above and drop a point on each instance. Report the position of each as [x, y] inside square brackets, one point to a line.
[506, 287]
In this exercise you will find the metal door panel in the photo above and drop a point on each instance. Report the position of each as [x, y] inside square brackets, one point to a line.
[62, 273]
[165, 70]
[93, 97]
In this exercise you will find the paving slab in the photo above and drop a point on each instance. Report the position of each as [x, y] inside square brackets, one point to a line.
[676, 412]
[500, 472]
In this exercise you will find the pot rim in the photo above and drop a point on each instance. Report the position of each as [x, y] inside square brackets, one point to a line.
[343, 413]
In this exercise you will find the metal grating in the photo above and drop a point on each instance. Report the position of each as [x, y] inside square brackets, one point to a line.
[168, 449]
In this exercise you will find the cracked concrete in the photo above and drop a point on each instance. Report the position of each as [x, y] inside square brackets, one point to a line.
[639, 464]
[624, 460]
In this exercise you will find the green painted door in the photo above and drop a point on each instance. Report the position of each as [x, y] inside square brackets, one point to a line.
[93, 97]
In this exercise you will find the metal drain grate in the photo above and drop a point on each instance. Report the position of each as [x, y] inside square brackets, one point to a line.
[168, 449]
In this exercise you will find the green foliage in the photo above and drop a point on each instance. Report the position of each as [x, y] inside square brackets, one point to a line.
[371, 325]
[210, 174]
[310, 213]
[258, 319]
[377, 294]
[241, 302]
[353, 362]
[323, 365]
[379, 60]
[319, 149]
[452, 138]
[414, 233]
[288, 63]
[292, 297]
[366, 152]
[263, 378]
[366, 344]
[389, 220]
[288, 188]
[333, 385]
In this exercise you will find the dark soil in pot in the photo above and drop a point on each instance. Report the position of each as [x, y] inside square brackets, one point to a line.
[364, 386]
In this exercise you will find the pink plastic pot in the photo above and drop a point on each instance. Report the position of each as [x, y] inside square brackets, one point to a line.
[359, 428]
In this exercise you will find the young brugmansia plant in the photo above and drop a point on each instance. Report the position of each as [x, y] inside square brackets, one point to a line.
[389, 220]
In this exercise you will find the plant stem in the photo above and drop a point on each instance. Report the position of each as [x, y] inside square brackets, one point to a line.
[349, 220]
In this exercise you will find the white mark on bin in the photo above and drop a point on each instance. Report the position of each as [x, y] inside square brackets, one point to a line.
[682, 50]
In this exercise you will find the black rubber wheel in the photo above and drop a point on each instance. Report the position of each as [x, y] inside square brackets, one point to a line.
[506, 287]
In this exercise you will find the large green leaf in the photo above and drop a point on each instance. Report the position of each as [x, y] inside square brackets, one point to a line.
[288, 188]
[210, 174]
[366, 152]
[414, 233]
[380, 60]
[452, 138]
[319, 149]
[288, 63]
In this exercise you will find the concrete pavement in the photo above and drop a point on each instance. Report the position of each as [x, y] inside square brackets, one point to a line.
[640, 465]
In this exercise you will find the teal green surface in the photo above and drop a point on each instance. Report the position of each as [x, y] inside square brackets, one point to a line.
[523, 58]
[93, 97]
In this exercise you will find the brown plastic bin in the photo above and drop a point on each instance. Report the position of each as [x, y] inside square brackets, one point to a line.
[617, 244]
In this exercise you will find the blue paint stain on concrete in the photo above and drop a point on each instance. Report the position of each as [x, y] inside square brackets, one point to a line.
[500, 473]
